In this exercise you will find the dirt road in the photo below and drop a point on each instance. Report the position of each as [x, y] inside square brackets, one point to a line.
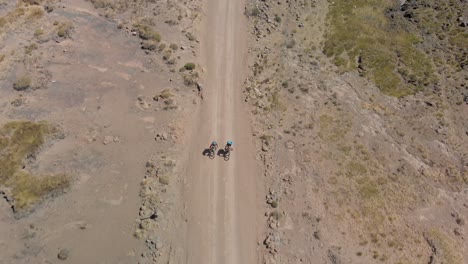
[221, 195]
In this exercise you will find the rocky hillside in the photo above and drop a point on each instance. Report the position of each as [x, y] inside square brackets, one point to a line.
[361, 110]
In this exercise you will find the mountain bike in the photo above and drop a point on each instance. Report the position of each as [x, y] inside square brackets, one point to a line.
[212, 152]
[227, 153]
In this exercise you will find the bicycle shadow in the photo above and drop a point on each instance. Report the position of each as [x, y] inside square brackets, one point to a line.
[206, 152]
[221, 152]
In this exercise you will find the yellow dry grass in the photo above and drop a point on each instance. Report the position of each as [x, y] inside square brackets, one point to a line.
[18, 140]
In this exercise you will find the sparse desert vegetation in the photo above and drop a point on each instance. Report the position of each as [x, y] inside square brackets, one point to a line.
[23, 83]
[64, 29]
[342, 157]
[189, 66]
[19, 141]
[39, 32]
[366, 40]
[146, 31]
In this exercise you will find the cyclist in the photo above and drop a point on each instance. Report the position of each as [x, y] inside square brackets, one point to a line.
[214, 145]
[228, 147]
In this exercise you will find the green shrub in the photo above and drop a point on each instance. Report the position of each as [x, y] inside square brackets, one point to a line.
[190, 36]
[277, 18]
[3, 22]
[254, 11]
[64, 29]
[36, 13]
[32, 2]
[290, 43]
[189, 66]
[149, 45]
[274, 204]
[39, 32]
[29, 49]
[101, 3]
[161, 47]
[189, 80]
[166, 93]
[276, 215]
[164, 179]
[173, 46]
[22, 83]
[146, 32]
[12, 16]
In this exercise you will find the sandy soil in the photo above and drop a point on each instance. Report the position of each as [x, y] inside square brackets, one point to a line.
[221, 195]
[93, 96]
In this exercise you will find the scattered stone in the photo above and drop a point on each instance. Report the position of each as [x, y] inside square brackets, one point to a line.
[290, 144]
[463, 22]
[150, 244]
[334, 257]
[162, 136]
[429, 103]
[159, 245]
[317, 235]
[154, 244]
[145, 212]
[22, 83]
[262, 103]
[143, 102]
[149, 45]
[269, 199]
[107, 140]
[48, 8]
[273, 224]
[17, 102]
[457, 231]
[63, 254]
[271, 242]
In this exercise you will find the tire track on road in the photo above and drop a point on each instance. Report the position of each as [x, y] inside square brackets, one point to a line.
[222, 224]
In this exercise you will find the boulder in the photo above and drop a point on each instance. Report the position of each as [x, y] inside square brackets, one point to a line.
[63, 254]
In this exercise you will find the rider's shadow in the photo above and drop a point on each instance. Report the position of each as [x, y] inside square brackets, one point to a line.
[221, 152]
[206, 152]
